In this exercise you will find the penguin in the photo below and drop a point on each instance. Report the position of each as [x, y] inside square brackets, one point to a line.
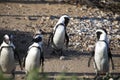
[35, 58]
[7, 55]
[59, 35]
[101, 54]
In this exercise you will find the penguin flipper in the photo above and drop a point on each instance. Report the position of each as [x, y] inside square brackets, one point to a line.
[50, 39]
[92, 54]
[110, 56]
[67, 39]
[24, 59]
[42, 61]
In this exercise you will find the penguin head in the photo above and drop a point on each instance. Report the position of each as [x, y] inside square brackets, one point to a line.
[8, 38]
[64, 19]
[67, 19]
[38, 36]
[101, 34]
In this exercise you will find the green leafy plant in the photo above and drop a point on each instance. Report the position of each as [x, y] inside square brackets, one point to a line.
[2, 77]
[33, 75]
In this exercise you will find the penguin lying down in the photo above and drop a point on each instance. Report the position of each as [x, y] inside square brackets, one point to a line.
[101, 54]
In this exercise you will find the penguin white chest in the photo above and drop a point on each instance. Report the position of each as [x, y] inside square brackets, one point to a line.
[59, 36]
[32, 59]
[7, 61]
[101, 56]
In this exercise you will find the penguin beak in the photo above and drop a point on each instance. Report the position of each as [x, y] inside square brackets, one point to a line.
[7, 41]
[37, 38]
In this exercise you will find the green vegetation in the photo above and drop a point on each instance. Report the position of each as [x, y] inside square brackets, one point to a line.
[2, 77]
[34, 75]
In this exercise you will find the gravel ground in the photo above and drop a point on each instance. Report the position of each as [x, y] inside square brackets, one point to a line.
[22, 19]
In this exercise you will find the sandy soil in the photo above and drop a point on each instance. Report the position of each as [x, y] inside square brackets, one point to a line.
[14, 20]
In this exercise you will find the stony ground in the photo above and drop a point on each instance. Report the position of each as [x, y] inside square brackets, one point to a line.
[23, 19]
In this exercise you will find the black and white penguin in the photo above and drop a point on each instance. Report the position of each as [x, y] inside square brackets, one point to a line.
[59, 35]
[35, 58]
[7, 55]
[101, 54]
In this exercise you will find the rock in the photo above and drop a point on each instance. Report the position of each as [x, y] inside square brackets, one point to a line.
[18, 18]
[115, 23]
[48, 18]
[84, 30]
[20, 5]
[8, 7]
[90, 47]
[118, 18]
[33, 17]
[26, 18]
[84, 7]
[118, 36]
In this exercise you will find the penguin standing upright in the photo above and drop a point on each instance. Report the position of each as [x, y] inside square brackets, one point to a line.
[101, 53]
[59, 34]
[35, 57]
[7, 55]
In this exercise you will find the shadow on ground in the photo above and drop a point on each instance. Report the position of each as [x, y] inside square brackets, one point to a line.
[69, 75]
[21, 40]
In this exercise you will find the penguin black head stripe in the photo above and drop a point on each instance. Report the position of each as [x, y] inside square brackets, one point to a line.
[38, 36]
[37, 39]
[98, 35]
[66, 20]
[100, 32]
